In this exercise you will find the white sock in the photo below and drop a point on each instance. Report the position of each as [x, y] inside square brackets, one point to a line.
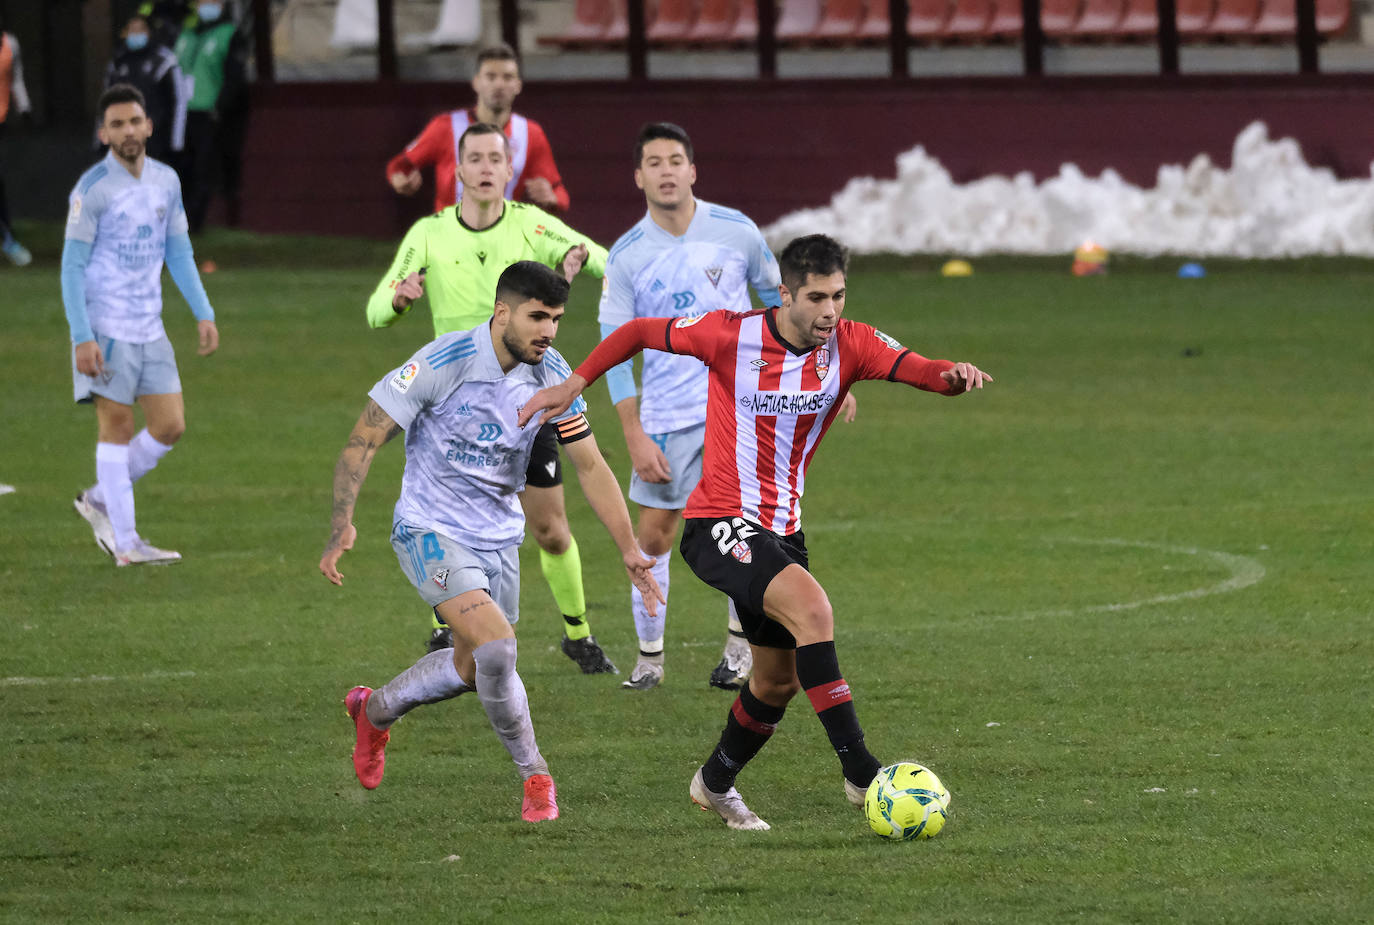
[650, 629]
[733, 622]
[117, 491]
[432, 679]
[508, 706]
[145, 451]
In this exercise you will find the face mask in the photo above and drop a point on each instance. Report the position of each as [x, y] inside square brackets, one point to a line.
[137, 41]
[209, 12]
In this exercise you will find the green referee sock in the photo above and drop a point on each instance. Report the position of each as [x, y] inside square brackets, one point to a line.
[564, 575]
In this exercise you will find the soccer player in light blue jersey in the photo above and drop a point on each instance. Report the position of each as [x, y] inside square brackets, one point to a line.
[458, 522]
[686, 256]
[125, 220]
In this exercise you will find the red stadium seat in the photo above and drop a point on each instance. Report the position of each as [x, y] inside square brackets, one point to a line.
[670, 22]
[715, 19]
[746, 27]
[797, 20]
[1194, 17]
[1279, 18]
[875, 26]
[1333, 16]
[969, 20]
[925, 19]
[618, 29]
[1234, 18]
[840, 20]
[1099, 18]
[1058, 16]
[1006, 22]
[1139, 20]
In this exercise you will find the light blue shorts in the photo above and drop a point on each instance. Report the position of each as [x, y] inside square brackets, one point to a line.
[131, 370]
[683, 449]
[441, 568]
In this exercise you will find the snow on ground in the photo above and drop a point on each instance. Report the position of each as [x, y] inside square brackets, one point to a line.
[1269, 204]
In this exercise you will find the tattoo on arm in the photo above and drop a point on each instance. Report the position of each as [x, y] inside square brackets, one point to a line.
[374, 428]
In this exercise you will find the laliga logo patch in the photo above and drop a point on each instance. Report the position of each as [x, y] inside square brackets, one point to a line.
[404, 377]
[76, 210]
[441, 578]
[742, 552]
[890, 341]
[822, 362]
[688, 321]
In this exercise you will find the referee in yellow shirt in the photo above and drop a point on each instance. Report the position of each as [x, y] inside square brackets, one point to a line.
[455, 257]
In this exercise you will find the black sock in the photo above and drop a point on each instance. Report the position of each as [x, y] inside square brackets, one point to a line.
[747, 730]
[818, 669]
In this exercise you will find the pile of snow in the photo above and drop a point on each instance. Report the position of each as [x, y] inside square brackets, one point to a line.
[1269, 204]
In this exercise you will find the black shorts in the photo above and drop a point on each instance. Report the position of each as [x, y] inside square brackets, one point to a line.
[546, 466]
[739, 559]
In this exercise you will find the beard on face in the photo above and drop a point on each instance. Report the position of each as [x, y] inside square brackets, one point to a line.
[525, 353]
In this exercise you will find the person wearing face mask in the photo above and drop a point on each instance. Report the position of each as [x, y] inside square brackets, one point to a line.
[143, 62]
[212, 53]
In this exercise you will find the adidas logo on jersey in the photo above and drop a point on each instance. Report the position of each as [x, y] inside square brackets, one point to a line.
[464, 409]
[657, 286]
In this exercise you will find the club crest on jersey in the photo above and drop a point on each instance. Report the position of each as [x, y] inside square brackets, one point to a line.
[890, 341]
[404, 377]
[742, 552]
[687, 321]
[441, 578]
[713, 274]
[822, 362]
[161, 212]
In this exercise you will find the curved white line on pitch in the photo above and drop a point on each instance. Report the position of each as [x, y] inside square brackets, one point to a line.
[1244, 570]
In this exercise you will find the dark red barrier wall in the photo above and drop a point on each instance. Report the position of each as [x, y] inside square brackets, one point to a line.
[315, 153]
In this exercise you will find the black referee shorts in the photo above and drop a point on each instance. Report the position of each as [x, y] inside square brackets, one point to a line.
[739, 559]
[546, 466]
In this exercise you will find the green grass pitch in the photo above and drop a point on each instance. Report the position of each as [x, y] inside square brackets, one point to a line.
[1121, 603]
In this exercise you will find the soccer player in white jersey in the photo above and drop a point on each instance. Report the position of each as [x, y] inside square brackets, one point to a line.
[685, 256]
[458, 522]
[777, 378]
[125, 219]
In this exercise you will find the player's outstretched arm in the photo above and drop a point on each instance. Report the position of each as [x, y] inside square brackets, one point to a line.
[374, 428]
[603, 494]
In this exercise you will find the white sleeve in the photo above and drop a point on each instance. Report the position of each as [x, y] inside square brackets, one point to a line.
[21, 92]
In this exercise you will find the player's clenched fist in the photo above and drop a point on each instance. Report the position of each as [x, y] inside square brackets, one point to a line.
[408, 290]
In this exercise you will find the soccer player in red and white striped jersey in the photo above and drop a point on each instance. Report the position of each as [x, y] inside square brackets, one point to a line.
[777, 377]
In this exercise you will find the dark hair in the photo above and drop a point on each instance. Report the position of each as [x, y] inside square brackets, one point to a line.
[498, 52]
[482, 128]
[529, 279]
[655, 131]
[813, 254]
[120, 93]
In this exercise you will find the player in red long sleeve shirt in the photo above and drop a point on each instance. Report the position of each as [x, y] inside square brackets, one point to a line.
[777, 377]
[496, 83]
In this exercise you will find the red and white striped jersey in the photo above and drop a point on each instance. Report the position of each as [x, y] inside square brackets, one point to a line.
[769, 404]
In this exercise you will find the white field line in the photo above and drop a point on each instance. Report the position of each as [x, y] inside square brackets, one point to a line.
[1244, 570]
[97, 679]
